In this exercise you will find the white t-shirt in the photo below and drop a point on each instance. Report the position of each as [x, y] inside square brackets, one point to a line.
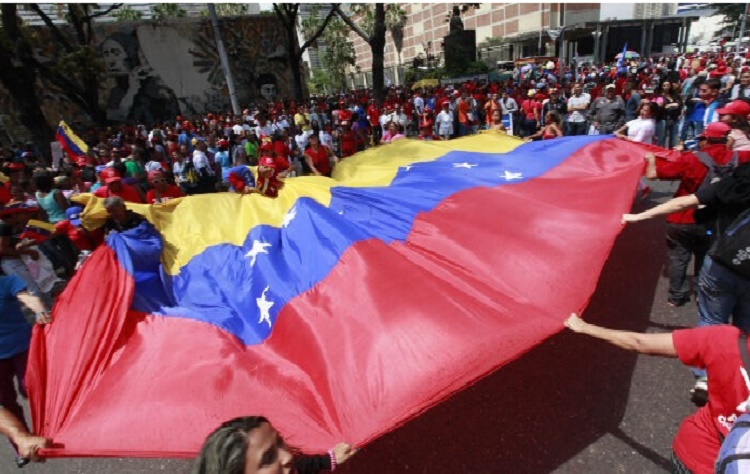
[642, 130]
[582, 101]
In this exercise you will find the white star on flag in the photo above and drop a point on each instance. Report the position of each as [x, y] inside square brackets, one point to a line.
[464, 165]
[409, 167]
[258, 247]
[264, 305]
[511, 176]
[289, 217]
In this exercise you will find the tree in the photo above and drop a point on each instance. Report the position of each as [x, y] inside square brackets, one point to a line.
[163, 11]
[288, 14]
[73, 71]
[375, 37]
[320, 81]
[732, 13]
[127, 13]
[231, 9]
[395, 21]
[338, 52]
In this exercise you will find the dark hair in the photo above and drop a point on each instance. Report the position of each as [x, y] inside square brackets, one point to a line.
[43, 182]
[714, 83]
[224, 450]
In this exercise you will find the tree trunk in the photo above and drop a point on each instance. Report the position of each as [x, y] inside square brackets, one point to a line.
[377, 45]
[20, 83]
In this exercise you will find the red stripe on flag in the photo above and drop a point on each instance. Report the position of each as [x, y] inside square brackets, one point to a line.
[392, 330]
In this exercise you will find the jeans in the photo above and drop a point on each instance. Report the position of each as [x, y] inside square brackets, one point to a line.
[577, 128]
[693, 127]
[659, 132]
[684, 241]
[722, 295]
[528, 127]
[14, 366]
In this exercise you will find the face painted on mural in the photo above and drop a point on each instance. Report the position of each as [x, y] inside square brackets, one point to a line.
[268, 91]
[115, 57]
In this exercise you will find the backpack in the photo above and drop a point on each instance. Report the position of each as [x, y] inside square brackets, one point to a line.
[732, 248]
[191, 174]
[734, 455]
[715, 172]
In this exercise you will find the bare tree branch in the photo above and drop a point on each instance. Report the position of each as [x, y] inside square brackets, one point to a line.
[53, 28]
[112, 8]
[350, 23]
[317, 33]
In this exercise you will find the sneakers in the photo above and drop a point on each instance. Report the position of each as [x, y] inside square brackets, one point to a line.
[677, 302]
[699, 393]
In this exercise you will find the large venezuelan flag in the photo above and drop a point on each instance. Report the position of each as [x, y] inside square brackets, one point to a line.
[70, 142]
[339, 310]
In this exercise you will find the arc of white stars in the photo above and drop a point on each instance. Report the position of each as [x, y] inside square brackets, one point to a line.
[264, 305]
[289, 217]
[258, 248]
[509, 176]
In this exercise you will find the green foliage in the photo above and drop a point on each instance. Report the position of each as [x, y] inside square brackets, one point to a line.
[335, 50]
[231, 9]
[320, 82]
[477, 67]
[127, 13]
[164, 11]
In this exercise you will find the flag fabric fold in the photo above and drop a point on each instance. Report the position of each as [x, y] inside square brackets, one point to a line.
[339, 310]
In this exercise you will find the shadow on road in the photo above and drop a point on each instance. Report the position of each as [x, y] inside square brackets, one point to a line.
[539, 411]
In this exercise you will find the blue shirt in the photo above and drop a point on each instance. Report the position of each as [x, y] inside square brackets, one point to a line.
[222, 157]
[15, 330]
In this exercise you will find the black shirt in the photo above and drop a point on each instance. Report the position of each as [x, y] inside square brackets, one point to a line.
[728, 197]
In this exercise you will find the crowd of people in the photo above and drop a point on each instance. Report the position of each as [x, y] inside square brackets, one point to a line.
[692, 108]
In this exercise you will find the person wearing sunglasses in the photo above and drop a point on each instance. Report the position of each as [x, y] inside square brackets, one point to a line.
[161, 191]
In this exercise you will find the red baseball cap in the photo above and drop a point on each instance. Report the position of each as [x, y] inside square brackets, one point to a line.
[716, 130]
[110, 175]
[267, 161]
[737, 107]
[154, 175]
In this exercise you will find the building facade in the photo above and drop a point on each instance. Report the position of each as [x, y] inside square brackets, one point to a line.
[510, 31]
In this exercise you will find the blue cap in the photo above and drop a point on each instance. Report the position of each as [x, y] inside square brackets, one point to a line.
[74, 215]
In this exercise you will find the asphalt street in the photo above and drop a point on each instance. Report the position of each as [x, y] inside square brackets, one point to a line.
[569, 405]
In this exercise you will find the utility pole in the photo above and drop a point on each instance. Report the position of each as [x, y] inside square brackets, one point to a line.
[742, 27]
[224, 60]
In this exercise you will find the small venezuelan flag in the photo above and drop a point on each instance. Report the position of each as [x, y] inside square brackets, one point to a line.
[71, 143]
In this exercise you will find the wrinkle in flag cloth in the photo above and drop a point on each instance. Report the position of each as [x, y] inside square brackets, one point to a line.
[340, 309]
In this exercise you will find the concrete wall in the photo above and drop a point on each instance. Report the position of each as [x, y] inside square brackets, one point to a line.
[155, 72]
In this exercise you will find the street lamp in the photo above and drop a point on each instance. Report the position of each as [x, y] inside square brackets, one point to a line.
[596, 34]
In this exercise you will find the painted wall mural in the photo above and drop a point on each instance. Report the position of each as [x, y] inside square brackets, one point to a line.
[157, 71]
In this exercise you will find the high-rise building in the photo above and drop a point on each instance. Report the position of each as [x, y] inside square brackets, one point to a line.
[509, 31]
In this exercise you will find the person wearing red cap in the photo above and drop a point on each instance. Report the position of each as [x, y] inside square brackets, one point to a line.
[161, 191]
[686, 237]
[319, 158]
[735, 115]
[268, 182]
[113, 186]
[347, 138]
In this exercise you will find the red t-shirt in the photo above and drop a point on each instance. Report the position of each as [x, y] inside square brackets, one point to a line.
[528, 107]
[5, 193]
[81, 238]
[686, 167]
[128, 193]
[168, 194]
[374, 115]
[320, 158]
[714, 348]
[348, 143]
